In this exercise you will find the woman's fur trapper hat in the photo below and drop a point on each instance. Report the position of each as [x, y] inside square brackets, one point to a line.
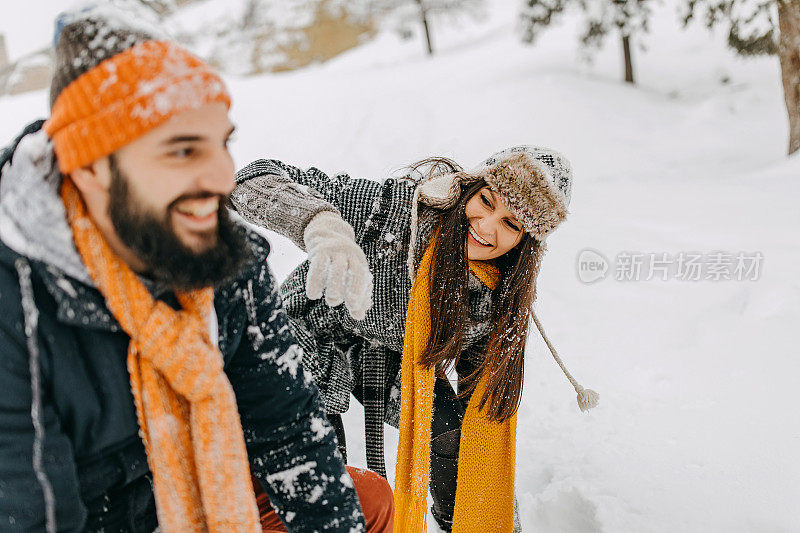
[536, 186]
[534, 183]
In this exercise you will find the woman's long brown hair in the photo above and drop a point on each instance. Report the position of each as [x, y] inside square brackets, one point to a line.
[512, 302]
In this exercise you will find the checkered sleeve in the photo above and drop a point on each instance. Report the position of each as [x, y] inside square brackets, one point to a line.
[284, 198]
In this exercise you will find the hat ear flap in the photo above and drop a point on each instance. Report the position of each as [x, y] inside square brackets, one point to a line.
[539, 250]
[440, 191]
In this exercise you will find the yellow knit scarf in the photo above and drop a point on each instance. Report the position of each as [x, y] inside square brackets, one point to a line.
[185, 405]
[485, 490]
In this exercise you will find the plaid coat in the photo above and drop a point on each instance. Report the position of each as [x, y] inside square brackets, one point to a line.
[345, 355]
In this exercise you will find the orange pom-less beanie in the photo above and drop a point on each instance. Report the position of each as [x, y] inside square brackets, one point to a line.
[112, 85]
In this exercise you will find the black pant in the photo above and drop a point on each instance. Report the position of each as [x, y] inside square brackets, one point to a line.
[448, 413]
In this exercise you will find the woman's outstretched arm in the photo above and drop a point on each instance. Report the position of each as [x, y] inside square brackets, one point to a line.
[310, 208]
[272, 195]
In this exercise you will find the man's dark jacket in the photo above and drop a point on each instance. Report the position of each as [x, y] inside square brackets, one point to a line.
[93, 461]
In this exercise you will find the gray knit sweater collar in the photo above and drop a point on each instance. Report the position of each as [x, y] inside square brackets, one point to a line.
[33, 221]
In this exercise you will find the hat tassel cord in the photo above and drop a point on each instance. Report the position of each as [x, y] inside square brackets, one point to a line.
[587, 398]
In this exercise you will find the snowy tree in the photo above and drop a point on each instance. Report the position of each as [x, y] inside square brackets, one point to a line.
[254, 36]
[266, 28]
[627, 17]
[3, 51]
[428, 8]
[759, 27]
[403, 13]
[161, 8]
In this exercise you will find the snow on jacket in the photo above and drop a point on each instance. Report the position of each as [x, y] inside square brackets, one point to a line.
[65, 394]
[343, 354]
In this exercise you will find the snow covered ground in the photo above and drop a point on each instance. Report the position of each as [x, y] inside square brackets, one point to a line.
[697, 429]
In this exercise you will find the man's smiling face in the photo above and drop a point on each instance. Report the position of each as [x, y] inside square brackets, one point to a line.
[160, 201]
[181, 172]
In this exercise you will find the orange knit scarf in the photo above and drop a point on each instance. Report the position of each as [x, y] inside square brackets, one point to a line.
[185, 405]
[485, 490]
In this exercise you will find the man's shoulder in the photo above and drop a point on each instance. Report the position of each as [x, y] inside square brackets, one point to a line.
[7, 152]
[255, 277]
[10, 263]
[8, 257]
[256, 265]
[10, 260]
[11, 309]
[259, 246]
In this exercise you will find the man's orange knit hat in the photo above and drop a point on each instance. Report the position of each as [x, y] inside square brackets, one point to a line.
[112, 84]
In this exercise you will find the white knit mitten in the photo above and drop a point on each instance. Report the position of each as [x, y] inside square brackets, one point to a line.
[337, 265]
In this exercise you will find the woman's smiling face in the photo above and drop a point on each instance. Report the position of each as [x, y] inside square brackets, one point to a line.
[493, 229]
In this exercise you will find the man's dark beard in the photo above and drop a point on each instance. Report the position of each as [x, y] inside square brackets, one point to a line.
[155, 243]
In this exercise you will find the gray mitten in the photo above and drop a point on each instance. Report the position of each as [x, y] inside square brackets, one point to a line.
[337, 265]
